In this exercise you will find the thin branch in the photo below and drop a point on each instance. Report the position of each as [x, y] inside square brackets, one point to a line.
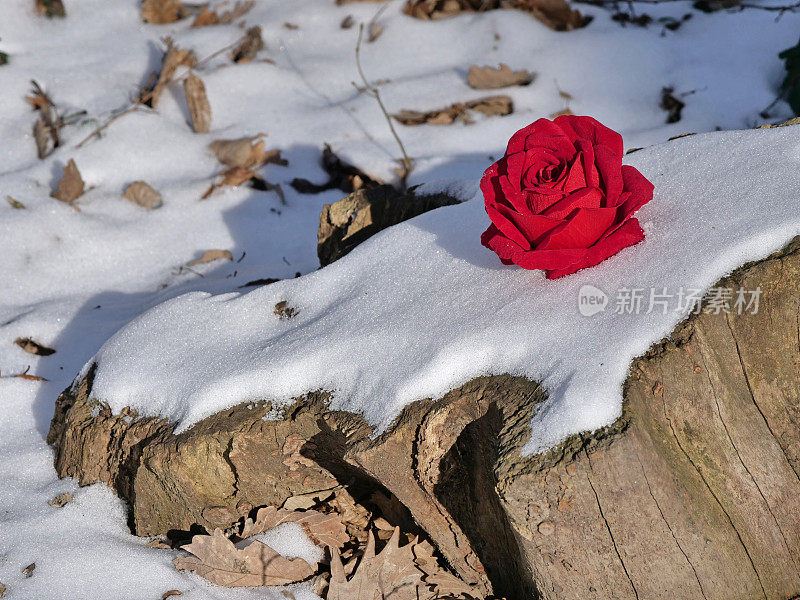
[105, 125]
[375, 93]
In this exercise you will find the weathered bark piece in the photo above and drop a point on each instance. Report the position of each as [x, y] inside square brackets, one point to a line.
[693, 493]
[346, 223]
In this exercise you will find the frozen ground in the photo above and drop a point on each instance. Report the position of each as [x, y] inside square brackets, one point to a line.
[71, 279]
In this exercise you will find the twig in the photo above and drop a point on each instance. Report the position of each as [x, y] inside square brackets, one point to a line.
[105, 125]
[373, 91]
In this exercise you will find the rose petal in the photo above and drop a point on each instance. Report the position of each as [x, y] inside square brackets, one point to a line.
[585, 198]
[576, 175]
[494, 240]
[506, 226]
[639, 187]
[608, 164]
[586, 128]
[581, 230]
[628, 235]
[541, 198]
[544, 134]
[532, 227]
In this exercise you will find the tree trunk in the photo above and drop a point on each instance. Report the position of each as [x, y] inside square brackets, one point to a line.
[693, 493]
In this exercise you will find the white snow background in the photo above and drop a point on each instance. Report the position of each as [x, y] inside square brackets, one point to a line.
[418, 309]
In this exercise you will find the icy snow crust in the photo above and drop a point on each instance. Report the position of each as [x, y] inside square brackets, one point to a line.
[423, 307]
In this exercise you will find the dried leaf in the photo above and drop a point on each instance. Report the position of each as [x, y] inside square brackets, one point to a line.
[488, 78]
[243, 152]
[284, 311]
[29, 377]
[490, 105]
[375, 30]
[322, 529]
[15, 203]
[347, 22]
[390, 574]
[2, 590]
[210, 256]
[342, 176]
[196, 98]
[172, 59]
[50, 8]
[140, 192]
[71, 185]
[671, 104]
[205, 17]
[28, 571]
[443, 583]
[213, 16]
[250, 45]
[171, 593]
[233, 177]
[48, 122]
[160, 12]
[61, 500]
[493, 105]
[556, 14]
[219, 561]
[561, 113]
[32, 347]
[44, 135]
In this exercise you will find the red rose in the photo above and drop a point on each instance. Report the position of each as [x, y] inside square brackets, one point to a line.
[561, 199]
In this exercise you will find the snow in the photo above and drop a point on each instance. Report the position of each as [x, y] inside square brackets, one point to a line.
[70, 279]
[289, 540]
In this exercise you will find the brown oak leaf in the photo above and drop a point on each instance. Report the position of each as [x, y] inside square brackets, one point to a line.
[219, 561]
[322, 529]
[489, 78]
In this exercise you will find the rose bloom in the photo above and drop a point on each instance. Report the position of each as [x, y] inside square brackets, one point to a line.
[561, 199]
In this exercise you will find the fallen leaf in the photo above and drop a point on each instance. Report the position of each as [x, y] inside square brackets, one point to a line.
[196, 98]
[342, 176]
[210, 256]
[205, 17]
[249, 46]
[561, 113]
[2, 590]
[443, 583]
[233, 177]
[242, 152]
[671, 104]
[60, 500]
[375, 30]
[290, 26]
[29, 377]
[48, 122]
[71, 185]
[219, 561]
[15, 203]
[347, 22]
[173, 58]
[160, 12]
[209, 16]
[490, 105]
[32, 347]
[140, 192]
[390, 574]
[324, 530]
[50, 8]
[488, 78]
[28, 571]
[556, 14]
[493, 105]
[284, 311]
[170, 593]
